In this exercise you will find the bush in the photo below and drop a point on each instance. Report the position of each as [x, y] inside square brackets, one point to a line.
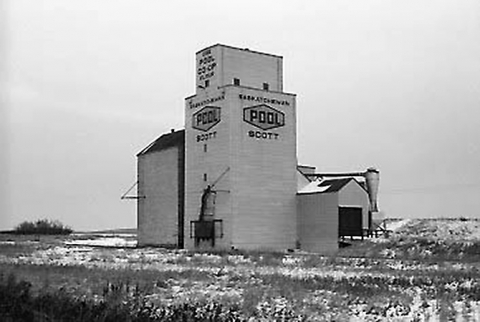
[42, 227]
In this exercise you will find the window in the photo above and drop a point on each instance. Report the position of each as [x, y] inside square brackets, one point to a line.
[236, 82]
[204, 148]
[265, 86]
[205, 177]
[207, 83]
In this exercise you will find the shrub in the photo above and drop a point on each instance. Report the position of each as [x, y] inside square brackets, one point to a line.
[42, 227]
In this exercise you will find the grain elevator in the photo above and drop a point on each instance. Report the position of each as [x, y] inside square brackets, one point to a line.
[230, 179]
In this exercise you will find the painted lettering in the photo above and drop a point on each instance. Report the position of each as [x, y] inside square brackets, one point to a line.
[263, 117]
[208, 75]
[206, 118]
[206, 66]
[206, 136]
[207, 101]
[262, 99]
[253, 115]
[263, 135]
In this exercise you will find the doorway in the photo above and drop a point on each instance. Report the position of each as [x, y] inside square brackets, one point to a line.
[350, 222]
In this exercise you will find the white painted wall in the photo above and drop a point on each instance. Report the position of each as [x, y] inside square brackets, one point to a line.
[220, 64]
[253, 69]
[318, 222]
[213, 162]
[264, 177]
[258, 206]
[158, 211]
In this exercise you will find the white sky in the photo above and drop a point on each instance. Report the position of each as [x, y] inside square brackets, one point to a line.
[87, 84]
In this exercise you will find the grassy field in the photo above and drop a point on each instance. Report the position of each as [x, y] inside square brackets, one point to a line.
[426, 270]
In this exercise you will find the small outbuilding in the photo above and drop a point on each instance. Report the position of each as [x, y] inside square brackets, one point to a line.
[330, 209]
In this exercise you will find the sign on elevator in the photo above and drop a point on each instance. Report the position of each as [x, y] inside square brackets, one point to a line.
[206, 118]
[263, 117]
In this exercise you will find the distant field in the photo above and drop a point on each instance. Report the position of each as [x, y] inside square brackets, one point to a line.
[110, 231]
[425, 270]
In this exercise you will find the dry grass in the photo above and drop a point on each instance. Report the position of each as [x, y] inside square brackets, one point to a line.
[364, 282]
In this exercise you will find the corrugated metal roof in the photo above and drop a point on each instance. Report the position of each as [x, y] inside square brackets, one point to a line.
[165, 141]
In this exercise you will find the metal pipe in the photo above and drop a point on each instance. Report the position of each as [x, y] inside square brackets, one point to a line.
[345, 174]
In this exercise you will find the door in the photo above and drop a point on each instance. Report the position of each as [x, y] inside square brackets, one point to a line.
[350, 221]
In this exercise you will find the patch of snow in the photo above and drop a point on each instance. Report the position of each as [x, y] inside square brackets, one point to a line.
[313, 187]
[396, 225]
[292, 261]
[106, 234]
[238, 259]
[208, 257]
[7, 242]
[103, 241]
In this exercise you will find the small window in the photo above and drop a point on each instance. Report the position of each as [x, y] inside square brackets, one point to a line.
[204, 148]
[207, 83]
[265, 86]
[236, 82]
[205, 177]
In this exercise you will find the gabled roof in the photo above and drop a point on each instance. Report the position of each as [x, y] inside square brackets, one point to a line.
[172, 139]
[327, 185]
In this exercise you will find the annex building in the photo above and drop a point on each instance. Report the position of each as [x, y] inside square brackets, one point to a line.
[231, 179]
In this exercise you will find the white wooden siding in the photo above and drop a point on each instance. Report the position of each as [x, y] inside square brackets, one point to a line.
[257, 203]
[158, 211]
[264, 176]
[213, 163]
[251, 68]
[318, 222]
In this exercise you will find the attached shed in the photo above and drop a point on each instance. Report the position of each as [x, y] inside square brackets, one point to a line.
[329, 209]
[161, 177]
